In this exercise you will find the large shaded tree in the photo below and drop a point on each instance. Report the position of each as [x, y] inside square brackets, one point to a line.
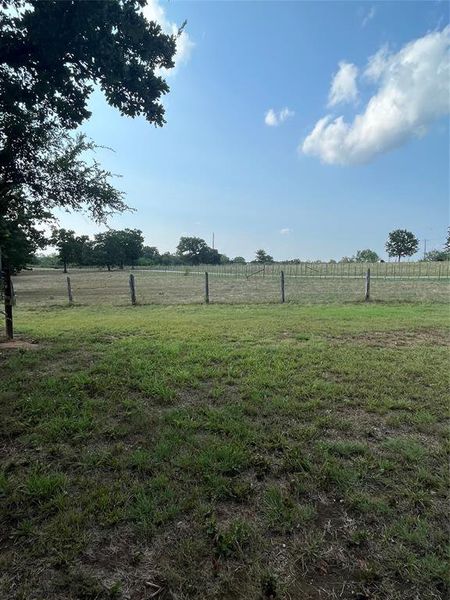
[401, 242]
[52, 54]
[195, 251]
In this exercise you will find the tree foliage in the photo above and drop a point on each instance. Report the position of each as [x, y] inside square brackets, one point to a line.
[369, 256]
[71, 248]
[195, 251]
[401, 242]
[437, 256]
[262, 257]
[51, 55]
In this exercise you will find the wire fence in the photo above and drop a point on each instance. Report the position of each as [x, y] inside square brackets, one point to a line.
[243, 284]
[394, 270]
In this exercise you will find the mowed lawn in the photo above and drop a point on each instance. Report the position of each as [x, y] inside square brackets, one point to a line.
[226, 452]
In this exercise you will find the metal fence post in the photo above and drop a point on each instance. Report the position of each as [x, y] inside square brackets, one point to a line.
[69, 291]
[367, 293]
[132, 290]
[282, 286]
[206, 288]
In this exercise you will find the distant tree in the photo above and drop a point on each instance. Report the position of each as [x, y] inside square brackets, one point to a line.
[209, 256]
[347, 259]
[332, 261]
[447, 241]
[191, 248]
[117, 248]
[151, 253]
[48, 261]
[401, 242]
[224, 260]
[132, 241]
[70, 246]
[261, 256]
[195, 251]
[168, 259]
[367, 255]
[437, 255]
[239, 260]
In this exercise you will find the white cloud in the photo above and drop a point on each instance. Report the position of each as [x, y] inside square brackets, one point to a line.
[413, 91]
[153, 11]
[343, 86]
[285, 231]
[273, 119]
[368, 16]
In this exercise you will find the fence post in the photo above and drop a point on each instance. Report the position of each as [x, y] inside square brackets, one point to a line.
[132, 290]
[367, 294]
[69, 291]
[282, 286]
[206, 288]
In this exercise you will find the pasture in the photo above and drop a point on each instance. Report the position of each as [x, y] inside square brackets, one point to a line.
[225, 452]
[237, 284]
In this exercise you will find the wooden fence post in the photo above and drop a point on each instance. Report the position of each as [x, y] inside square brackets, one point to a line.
[132, 290]
[282, 286]
[367, 294]
[206, 288]
[69, 291]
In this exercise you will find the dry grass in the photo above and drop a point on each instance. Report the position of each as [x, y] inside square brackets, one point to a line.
[48, 287]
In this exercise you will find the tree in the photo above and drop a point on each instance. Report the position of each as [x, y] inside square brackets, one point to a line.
[52, 54]
[367, 255]
[447, 241]
[239, 260]
[209, 256]
[151, 254]
[261, 256]
[191, 248]
[70, 247]
[401, 242]
[132, 242]
[437, 255]
[117, 248]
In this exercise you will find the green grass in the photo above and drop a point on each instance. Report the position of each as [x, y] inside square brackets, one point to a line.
[222, 452]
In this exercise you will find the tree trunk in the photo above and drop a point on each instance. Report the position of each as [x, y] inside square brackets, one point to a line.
[109, 267]
[399, 257]
[9, 326]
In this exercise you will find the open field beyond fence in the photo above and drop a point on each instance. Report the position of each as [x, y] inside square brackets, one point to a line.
[238, 284]
[277, 452]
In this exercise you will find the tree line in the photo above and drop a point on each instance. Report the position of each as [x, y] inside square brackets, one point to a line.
[126, 247]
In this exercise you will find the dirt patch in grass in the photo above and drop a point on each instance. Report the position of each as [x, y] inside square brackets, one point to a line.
[17, 344]
[394, 339]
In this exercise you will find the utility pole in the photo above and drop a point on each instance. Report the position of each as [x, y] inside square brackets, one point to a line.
[425, 247]
[213, 241]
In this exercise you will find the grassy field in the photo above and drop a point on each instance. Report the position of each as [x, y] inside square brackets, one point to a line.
[226, 452]
[42, 287]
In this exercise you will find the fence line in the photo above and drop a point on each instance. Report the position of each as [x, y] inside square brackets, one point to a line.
[48, 287]
[342, 270]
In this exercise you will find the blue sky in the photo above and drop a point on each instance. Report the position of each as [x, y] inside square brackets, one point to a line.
[218, 166]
